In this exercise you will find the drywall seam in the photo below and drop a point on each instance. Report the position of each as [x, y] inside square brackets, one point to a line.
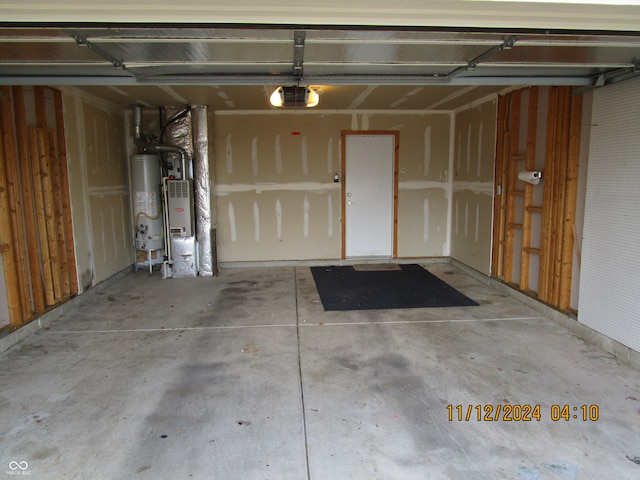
[279, 219]
[427, 151]
[256, 222]
[278, 154]
[329, 216]
[221, 190]
[466, 219]
[477, 235]
[446, 248]
[479, 152]
[425, 226]
[274, 187]
[102, 237]
[113, 231]
[173, 94]
[305, 216]
[108, 191]
[451, 97]
[229, 154]
[476, 187]
[330, 155]
[468, 148]
[304, 155]
[254, 156]
[123, 215]
[457, 217]
[421, 185]
[492, 97]
[362, 97]
[232, 222]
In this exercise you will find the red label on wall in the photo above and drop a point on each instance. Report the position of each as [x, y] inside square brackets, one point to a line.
[180, 210]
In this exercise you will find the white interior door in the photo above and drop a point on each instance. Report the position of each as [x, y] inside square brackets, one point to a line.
[369, 208]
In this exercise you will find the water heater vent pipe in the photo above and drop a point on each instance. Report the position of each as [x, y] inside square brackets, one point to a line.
[145, 146]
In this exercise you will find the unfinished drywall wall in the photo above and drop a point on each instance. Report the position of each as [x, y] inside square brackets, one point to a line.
[99, 187]
[472, 197]
[423, 182]
[275, 195]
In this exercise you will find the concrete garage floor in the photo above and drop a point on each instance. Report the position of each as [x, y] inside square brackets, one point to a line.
[244, 376]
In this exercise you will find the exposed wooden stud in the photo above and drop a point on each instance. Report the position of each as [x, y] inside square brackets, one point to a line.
[504, 201]
[40, 210]
[7, 247]
[557, 212]
[41, 106]
[514, 152]
[34, 207]
[571, 195]
[64, 192]
[44, 151]
[546, 242]
[57, 213]
[530, 162]
[11, 166]
[26, 179]
[562, 153]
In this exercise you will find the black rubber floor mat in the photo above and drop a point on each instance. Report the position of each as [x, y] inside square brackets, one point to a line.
[344, 288]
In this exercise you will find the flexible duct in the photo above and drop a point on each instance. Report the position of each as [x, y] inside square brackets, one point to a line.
[202, 189]
[189, 132]
[145, 146]
[178, 132]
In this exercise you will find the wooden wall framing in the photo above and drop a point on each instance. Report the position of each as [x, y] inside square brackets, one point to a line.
[36, 234]
[514, 204]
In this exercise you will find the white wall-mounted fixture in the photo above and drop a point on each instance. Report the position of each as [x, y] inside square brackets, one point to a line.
[294, 96]
[532, 177]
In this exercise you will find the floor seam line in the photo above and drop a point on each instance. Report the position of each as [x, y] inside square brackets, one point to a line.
[297, 325]
[172, 329]
[304, 413]
[421, 322]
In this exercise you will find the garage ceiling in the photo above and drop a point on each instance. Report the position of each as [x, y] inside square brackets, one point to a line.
[236, 67]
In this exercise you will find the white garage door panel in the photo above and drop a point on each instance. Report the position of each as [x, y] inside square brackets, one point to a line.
[610, 277]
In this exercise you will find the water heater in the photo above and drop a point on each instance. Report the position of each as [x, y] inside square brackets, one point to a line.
[146, 184]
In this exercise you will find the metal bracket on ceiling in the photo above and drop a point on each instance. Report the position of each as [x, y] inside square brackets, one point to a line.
[298, 53]
[471, 65]
[621, 74]
[609, 78]
[83, 41]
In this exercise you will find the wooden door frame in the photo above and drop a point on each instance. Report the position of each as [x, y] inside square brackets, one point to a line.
[396, 147]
